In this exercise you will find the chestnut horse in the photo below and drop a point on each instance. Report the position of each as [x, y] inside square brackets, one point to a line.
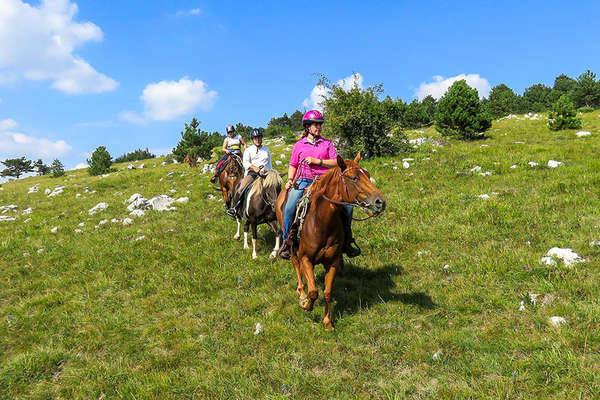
[231, 173]
[322, 236]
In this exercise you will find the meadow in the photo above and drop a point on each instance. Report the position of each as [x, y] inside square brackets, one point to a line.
[442, 303]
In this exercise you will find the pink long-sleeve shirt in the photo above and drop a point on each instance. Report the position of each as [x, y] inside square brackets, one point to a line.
[322, 149]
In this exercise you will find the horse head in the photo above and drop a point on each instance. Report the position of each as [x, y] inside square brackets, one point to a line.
[356, 187]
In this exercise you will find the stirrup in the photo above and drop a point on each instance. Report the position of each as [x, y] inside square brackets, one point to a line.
[285, 252]
[214, 179]
[350, 250]
[232, 212]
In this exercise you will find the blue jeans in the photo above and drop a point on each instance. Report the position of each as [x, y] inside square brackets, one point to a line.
[290, 207]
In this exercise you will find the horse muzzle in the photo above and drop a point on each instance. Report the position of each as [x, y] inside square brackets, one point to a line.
[375, 204]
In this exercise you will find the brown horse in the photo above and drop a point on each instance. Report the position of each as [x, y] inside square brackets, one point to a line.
[229, 177]
[192, 161]
[259, 208]
[322, 236]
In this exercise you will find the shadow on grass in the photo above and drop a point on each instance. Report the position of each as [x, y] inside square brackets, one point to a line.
[356, 288]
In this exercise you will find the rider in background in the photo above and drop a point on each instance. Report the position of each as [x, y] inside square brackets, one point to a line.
[257, 161]
[312, 156]
[231, 145]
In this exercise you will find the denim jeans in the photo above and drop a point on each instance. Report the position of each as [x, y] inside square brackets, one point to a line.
[290, 207]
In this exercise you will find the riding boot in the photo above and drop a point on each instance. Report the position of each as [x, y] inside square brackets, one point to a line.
[350, 247]
[234, 210]
[285, 252]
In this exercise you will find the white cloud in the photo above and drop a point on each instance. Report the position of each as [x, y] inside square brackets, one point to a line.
[194, 11]
[37, 43]
[169, 100]
[131, 117]
[81, 165]
[320, 92]
[440, 85]
[17, 144]
[8, 124]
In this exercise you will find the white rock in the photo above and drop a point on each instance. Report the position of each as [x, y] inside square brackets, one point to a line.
[173, 191]
[4, 218]
[40, 251]
[278, 162]
[33, 189]
[127, 221]
[484, 196]
[102, 222]
[408, 159]
[418, 141]
[394, 167]
[557, 321]
[486, 173]
[131, 166]
[114, 220]
[47, 191]
[139, 204]
[170, 174]
[595, 243]
[27, 220]
[133, 198]
[183, 200]
[513, 166]
[161, 203]
[137, 213]
[522, 306]
[78, 231]
[54, 230]
[533, 297]
[423, 252]
[211, 197]
[78, 195]
[258, 328]
[476, 168]
[533, 164]
[27, 211]
[97, 208]
[554, 164]
[446, 267]
[11, 207]
[58, 190]
[519, 142]
[282, 156]
[140, 238]
[81, 224]
[405, 164]
[104, 175]
[567, 256]
[437, 355]
[141, 166]
[583, 133]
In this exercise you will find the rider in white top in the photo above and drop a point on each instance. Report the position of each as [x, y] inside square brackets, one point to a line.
[257, 160]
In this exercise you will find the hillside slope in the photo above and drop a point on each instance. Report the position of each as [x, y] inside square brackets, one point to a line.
[442, 303]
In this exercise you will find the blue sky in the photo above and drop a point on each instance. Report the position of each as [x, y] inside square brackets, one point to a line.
[75, 75]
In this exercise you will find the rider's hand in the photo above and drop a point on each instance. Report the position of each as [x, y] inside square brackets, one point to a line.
[310, 160]
[288, 184]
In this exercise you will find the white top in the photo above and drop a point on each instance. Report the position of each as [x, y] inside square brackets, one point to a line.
[257, 157]
[233, 143]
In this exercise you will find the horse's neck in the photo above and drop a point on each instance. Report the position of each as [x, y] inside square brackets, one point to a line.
[329, 187]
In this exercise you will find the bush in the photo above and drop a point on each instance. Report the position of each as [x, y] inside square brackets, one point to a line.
[100, 161]
[169, 159]
[563, 115]
[195, 142]
[460, 113]
[502, 101]
[585, 109]
[359, 120]
[135, 155]
[57, 169]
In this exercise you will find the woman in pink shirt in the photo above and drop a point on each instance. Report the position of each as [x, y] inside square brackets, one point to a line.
[312, 156]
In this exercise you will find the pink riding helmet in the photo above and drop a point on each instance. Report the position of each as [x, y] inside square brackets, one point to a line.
[313, 116]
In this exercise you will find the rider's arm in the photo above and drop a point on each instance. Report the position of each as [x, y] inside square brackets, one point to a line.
[291, 174]
[225, 146]
[243, 142]
[246, 161]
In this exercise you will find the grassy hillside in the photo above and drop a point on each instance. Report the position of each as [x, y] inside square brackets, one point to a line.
[430, 310]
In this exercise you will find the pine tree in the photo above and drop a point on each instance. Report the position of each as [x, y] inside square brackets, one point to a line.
[563, 115]
[57, 169]
[460, 113]
[40, 167]
[16, 167]
[100, 161]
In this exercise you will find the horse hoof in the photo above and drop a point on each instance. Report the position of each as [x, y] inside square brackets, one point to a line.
[272, 255]
[236, 237]
[254, 256]
[329, 327]
[303, 303]
[246, 247]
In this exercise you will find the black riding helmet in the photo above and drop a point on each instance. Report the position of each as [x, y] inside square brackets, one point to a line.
[255, 133]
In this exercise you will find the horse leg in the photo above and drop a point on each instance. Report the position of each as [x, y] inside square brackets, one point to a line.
[309, 275]
[237, 233]
[329, 276]
[299, 283]
[226, 197]
[246, 226]
[254, 235]
[273, 225]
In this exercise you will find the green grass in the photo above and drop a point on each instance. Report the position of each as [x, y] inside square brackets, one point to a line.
[173, 315]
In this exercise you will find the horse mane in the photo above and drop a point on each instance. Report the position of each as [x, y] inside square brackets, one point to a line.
[320, 185]
[271, 183]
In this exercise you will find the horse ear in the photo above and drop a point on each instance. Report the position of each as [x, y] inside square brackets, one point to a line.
[341, 163]
[357, 158]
